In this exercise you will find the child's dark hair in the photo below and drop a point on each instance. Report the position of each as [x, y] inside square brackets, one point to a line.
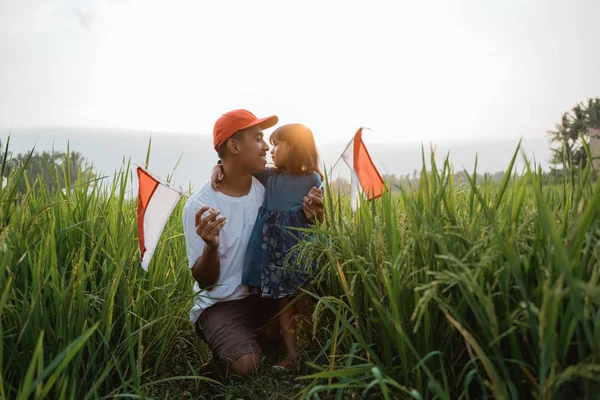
[304, 158]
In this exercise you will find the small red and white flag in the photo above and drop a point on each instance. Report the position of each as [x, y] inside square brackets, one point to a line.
[156, 201]
[365, 176]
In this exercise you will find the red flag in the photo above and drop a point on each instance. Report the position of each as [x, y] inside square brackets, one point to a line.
[367, 174]
[156, 202]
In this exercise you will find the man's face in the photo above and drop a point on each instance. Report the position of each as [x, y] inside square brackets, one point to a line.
[253, 150]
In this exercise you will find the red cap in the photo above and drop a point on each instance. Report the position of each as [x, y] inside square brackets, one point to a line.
[236, 120]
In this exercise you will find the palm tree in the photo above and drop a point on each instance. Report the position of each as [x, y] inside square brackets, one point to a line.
[561, 137]
[593, 111]
[568, 133]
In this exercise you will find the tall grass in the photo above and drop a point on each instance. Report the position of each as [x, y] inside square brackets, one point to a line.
[462, 291]
[448, 290]
[79, 318]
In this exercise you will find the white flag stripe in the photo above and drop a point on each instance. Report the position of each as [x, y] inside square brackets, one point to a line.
[355, 188]
[158, 211]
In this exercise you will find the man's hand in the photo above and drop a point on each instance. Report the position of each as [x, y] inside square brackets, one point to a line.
[313, 205]
[216, 177]
[208, 228]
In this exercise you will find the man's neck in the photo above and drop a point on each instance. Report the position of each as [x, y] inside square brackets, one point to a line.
[236, 181]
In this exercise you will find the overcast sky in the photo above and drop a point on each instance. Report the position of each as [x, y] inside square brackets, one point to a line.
[410, 70]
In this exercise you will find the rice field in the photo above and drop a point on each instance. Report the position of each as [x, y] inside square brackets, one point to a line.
[443, 291]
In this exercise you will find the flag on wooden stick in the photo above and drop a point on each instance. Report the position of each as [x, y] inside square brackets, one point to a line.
[156, 201]
[365, 176]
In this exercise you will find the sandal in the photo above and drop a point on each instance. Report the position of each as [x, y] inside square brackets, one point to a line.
[285, 365]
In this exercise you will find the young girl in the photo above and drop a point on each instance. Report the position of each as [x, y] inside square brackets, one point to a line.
[268, 265]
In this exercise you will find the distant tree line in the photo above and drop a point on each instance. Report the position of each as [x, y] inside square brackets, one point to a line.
[48, 169]
[396, 182]
[45, 169]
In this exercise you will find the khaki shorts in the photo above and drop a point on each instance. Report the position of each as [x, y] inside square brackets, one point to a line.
[231, 328]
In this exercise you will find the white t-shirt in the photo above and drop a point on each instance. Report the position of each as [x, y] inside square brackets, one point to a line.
[241, 214]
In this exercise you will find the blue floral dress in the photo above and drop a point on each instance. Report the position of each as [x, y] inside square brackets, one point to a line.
[267, 264]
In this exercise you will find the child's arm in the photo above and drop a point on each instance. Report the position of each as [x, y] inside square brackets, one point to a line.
[313, 202]
[216, 176]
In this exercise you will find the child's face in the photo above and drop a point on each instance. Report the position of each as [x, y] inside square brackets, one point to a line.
[279, 153]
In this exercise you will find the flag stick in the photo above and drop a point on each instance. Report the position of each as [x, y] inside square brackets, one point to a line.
[341, 155]
[346, 148]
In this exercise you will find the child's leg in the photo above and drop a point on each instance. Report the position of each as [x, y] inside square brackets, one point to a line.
[288, 328]
[305, 310]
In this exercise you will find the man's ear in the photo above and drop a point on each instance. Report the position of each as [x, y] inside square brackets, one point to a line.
[233, 146]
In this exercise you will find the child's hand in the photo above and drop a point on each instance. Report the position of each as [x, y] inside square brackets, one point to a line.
[315, 194]
[313, 205]
[216, 177]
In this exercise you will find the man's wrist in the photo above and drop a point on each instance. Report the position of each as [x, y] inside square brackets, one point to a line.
[211, 246]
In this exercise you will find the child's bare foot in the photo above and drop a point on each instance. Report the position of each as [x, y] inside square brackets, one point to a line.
[287, 364]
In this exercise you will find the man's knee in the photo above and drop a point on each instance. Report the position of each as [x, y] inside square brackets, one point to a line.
[246, 365]
[271, 329]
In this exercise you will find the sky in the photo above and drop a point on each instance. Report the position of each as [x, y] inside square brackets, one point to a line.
[411, 71]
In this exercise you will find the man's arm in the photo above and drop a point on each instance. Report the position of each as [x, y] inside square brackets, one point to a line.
[207, 268]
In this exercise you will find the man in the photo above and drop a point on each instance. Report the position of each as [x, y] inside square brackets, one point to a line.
[217, 228]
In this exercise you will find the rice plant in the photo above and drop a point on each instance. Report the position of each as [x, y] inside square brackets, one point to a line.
[79, 318]
[448, 290]
[461, 291]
